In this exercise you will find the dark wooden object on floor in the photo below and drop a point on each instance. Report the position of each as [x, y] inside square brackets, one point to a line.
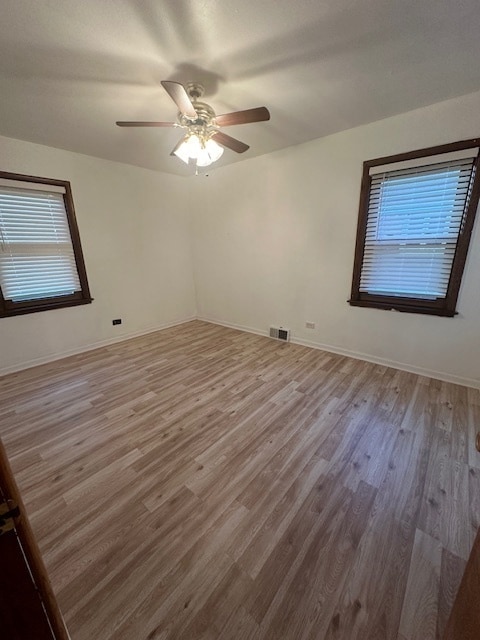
[464, 621]
[28, 609]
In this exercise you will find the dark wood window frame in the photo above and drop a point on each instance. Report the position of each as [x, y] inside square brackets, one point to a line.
[440, 307]
[11, 308]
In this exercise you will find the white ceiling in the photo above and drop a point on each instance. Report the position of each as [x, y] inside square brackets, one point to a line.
[69, 69]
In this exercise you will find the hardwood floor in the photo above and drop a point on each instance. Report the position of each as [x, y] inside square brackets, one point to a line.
[201, 482]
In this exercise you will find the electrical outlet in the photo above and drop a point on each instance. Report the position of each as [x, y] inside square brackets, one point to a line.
[310, 325]
[117, 321]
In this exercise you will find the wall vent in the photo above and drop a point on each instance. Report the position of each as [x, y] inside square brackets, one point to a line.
[280, 333]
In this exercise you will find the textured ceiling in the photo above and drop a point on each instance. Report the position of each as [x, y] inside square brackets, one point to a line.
[70, 69]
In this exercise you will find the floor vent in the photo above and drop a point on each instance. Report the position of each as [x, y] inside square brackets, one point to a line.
[279, 333]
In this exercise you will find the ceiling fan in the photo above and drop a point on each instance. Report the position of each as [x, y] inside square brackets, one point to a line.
[203, 142]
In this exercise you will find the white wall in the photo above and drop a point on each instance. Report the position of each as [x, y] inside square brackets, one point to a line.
[274, 240]
[135, 237]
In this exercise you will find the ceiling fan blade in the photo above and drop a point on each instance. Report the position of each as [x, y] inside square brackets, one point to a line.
[231, 143]
[243, 117]
[179, 95]
[146, 124]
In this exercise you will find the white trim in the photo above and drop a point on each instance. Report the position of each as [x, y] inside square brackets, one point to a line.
[32, 186]
[95, 345]
[239, 327]
[358, 355]
[394, 364]
[464, 154]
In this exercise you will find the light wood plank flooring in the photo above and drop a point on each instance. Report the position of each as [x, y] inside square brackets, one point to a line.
[201, 482]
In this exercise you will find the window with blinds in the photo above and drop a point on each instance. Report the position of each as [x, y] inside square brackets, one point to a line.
[415, 221]
[41, 264]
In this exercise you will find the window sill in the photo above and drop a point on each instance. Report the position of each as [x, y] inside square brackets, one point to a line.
[42, 306]
[405, 307]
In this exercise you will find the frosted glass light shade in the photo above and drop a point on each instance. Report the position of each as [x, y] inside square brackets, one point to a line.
[214, 149]
[182, 152]
[204, 153]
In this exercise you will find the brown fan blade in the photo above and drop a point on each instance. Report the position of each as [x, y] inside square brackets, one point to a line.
[146, 124]
[179, 95]
[231, 143]
[243, 117]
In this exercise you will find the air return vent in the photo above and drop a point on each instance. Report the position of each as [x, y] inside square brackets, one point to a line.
[279, 333]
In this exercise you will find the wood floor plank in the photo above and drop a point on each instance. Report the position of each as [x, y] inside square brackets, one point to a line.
[420, 606]
[201, 482]
[255, 541]
[370, 603]
[451, 573]
[215, 613]
[282, 564]
[312, 595]
[240, 626]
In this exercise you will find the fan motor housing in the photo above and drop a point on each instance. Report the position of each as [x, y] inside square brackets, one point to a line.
[195, 90]
[205, 116]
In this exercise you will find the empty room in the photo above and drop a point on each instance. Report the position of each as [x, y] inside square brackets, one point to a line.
[239, 320]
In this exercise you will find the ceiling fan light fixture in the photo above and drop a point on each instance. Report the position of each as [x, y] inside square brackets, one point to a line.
[214, 149]
[209, 153]
[189, 148]
[182, 152]
[196, 148]
[203, 142]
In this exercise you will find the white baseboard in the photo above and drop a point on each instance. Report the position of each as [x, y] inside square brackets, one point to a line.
[402, 366]
[429, 373]
[94, 345]
[231, 325]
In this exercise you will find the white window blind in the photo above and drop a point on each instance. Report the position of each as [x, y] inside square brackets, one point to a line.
[37, 259]
[415, 215]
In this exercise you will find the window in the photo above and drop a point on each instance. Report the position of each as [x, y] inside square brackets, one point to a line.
[41, 261]
[415, 221]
